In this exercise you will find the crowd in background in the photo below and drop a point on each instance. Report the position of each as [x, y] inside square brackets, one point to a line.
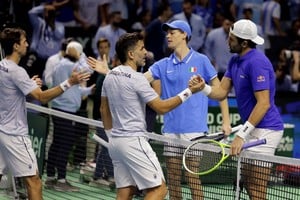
[49, 22]
[278, 21]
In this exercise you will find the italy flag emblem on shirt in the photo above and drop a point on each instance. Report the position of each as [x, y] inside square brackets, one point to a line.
[193, 69]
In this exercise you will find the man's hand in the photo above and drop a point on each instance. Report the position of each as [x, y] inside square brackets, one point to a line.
[236, 146]
[37, 80]
[97, 65]
[78, 77]
[196, 83]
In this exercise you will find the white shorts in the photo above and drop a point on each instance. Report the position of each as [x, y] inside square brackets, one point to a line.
[17, 156]
[175, 149]
[135, 163]
[273, 139]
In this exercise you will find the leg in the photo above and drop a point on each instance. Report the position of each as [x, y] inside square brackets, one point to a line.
[174, 177]
[194, 182]
[156, 193]
[256, 180]
[34, 187]
[125, 193]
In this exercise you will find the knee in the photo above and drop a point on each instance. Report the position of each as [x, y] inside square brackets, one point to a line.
[33, 182]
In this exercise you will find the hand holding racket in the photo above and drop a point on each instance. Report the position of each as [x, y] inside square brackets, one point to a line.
[206, 155]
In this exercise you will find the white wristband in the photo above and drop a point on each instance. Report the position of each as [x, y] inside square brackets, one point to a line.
[245, 130]
[206, 90]
[185, 94]
[65, 85]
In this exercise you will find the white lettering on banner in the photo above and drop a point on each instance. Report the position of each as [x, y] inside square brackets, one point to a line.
[36, 143]
[286, 144]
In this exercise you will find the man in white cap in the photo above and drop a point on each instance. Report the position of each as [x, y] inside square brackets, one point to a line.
[252, 75]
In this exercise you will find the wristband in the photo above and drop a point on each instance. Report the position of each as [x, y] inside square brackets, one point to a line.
[245, 130]
[206, 90]
[65, 85]
[185, 94]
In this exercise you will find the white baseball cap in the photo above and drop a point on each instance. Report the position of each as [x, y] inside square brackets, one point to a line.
[75, 45]
[246, 29]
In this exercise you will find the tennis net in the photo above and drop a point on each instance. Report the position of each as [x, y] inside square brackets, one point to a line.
[229, 181]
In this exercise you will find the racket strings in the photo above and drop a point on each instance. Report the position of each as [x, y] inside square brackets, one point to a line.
[199, 160]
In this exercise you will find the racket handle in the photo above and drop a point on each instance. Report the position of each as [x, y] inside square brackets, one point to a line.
[254, 143]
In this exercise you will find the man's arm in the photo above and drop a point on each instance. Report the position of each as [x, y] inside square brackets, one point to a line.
[105, 114]
[47, 95]
[226, 125]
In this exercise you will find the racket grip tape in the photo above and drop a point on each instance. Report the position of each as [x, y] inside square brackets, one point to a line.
[254, 143]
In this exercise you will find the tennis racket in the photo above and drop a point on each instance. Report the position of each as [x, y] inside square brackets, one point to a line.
[206, 155]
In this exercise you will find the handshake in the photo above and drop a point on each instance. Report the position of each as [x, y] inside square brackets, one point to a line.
[197, 83]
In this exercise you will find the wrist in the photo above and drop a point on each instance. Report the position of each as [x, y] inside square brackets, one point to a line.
[206, 90]
[246, 129]
[65, 85]
[185, 94]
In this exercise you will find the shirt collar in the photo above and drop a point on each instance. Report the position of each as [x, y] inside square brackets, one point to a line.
[186, 59]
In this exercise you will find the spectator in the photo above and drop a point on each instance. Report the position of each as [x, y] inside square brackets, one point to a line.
[89, 11]
[47, 37]
[204, 10]
[153, 32]
[53, 61]
[238, 6]
[216, 47]
[112, 32]
[195, 22]
[270, 21]
[283, 79]
[64, 139]
[104, 174]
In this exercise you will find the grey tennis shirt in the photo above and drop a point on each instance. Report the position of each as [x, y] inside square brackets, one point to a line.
[128, 92]
[15, 84]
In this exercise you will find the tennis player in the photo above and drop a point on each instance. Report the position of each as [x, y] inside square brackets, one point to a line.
[188, 121]
[125, 93]
[252, 75]
[16, 152]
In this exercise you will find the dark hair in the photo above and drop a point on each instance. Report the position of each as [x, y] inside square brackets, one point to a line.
[251, 44]
[102, 40]
[125, 43]
[10, 36]
[162, 7]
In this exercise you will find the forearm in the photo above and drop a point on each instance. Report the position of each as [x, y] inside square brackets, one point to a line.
[225, 112]
[296, 70]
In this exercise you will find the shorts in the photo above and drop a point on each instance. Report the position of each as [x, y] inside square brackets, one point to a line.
[17, 156]
[273, 139]
[175, 149]
[135, 163]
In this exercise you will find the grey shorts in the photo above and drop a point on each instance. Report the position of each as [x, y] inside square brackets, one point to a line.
[135, 163]
[17, 156]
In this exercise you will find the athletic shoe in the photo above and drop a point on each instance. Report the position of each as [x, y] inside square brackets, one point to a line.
[65, 187]
[111, 179]
[49, 184]
[100, 181]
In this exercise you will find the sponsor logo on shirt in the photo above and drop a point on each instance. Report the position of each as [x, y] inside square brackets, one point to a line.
[261, 78]
[117, 73]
